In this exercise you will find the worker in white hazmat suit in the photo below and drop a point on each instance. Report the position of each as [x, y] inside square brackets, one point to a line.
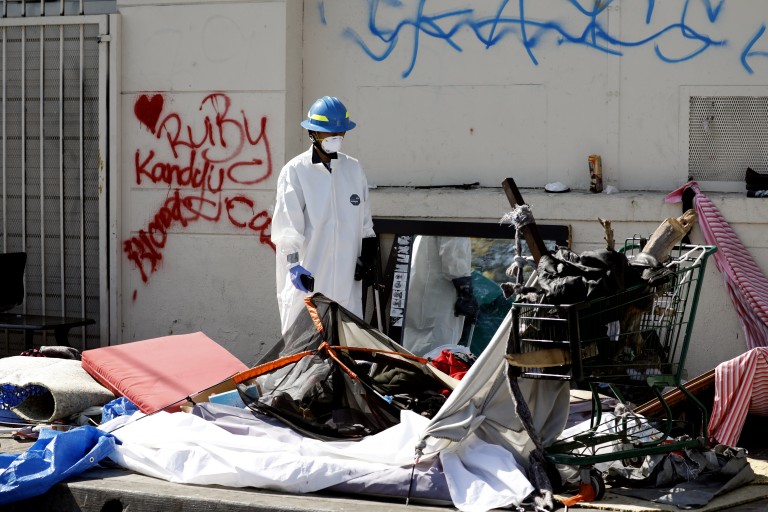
[440, 293]
[322, 218]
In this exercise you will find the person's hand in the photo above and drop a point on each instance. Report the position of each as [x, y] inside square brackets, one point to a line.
[302, 278]
[466, 304]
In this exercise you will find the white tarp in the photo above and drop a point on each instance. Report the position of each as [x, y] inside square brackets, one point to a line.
[483, 403]
[477, 436]
[184, 448]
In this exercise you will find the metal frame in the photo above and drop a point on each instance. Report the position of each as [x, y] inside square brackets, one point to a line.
[107, 152]
[403, 230]
[558, 232]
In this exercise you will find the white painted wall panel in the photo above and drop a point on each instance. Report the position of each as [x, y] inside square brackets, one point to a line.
[200, 47]
[222, 285]
[611, 80]
[470, 128]
[203, 94]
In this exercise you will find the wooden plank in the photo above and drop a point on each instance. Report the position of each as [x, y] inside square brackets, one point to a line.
[546, 358]
[676, 396]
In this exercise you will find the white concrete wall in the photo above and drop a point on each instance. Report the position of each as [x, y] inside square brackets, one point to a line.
[213, 81]
[455, 106]
[474, 95]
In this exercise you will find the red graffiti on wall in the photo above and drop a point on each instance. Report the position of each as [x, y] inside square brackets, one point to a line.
[148, 110]
[202, 162]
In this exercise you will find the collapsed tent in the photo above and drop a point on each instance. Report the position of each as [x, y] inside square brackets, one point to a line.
[329, 346]
[476, 437]
[339, 379]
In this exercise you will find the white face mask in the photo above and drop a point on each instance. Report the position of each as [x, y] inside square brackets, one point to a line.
[331, 144]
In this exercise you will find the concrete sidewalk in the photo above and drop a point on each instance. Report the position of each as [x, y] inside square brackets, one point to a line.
[117, 490]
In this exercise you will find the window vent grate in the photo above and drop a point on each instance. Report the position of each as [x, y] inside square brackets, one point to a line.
[727, 134]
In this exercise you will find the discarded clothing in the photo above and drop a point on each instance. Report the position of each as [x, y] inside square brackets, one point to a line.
[746, 284]
[694, 478]
[454, 363]
[686, 478]
[741, 387]
[569, 278]
[756, 183]
[57, 351]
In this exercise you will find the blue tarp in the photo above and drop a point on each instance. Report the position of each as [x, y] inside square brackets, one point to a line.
[54, 457]
[118, 407]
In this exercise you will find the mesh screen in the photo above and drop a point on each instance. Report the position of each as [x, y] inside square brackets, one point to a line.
[727, 134]
[50, 156]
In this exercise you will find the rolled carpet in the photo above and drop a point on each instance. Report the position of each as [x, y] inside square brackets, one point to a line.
[43, 389]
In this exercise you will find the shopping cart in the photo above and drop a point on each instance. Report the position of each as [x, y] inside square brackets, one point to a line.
[638, 337]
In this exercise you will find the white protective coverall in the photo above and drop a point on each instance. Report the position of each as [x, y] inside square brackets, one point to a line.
[429, 316]
[323, 216]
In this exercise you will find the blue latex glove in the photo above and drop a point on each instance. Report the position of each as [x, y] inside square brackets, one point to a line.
[302, 278]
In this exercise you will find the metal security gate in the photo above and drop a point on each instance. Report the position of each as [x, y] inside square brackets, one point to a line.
[53, 149]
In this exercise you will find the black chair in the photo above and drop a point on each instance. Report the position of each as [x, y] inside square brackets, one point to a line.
[12, 265]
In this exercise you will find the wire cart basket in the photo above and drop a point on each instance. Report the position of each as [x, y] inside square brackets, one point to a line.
[638, 337]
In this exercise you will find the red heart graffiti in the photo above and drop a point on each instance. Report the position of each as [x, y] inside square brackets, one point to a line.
[148, 110]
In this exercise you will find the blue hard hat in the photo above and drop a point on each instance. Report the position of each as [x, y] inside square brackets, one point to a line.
[328, 114]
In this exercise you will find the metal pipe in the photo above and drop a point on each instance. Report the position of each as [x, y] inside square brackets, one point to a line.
[5, 140]
[5, 154]
[82, 181]
[63, 267]
[24, 151]
[42, 168]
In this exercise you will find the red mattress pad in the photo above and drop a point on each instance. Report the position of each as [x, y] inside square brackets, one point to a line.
[160, 373]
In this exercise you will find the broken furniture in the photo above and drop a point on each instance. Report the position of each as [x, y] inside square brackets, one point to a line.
[30, 324]
[12, 267]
